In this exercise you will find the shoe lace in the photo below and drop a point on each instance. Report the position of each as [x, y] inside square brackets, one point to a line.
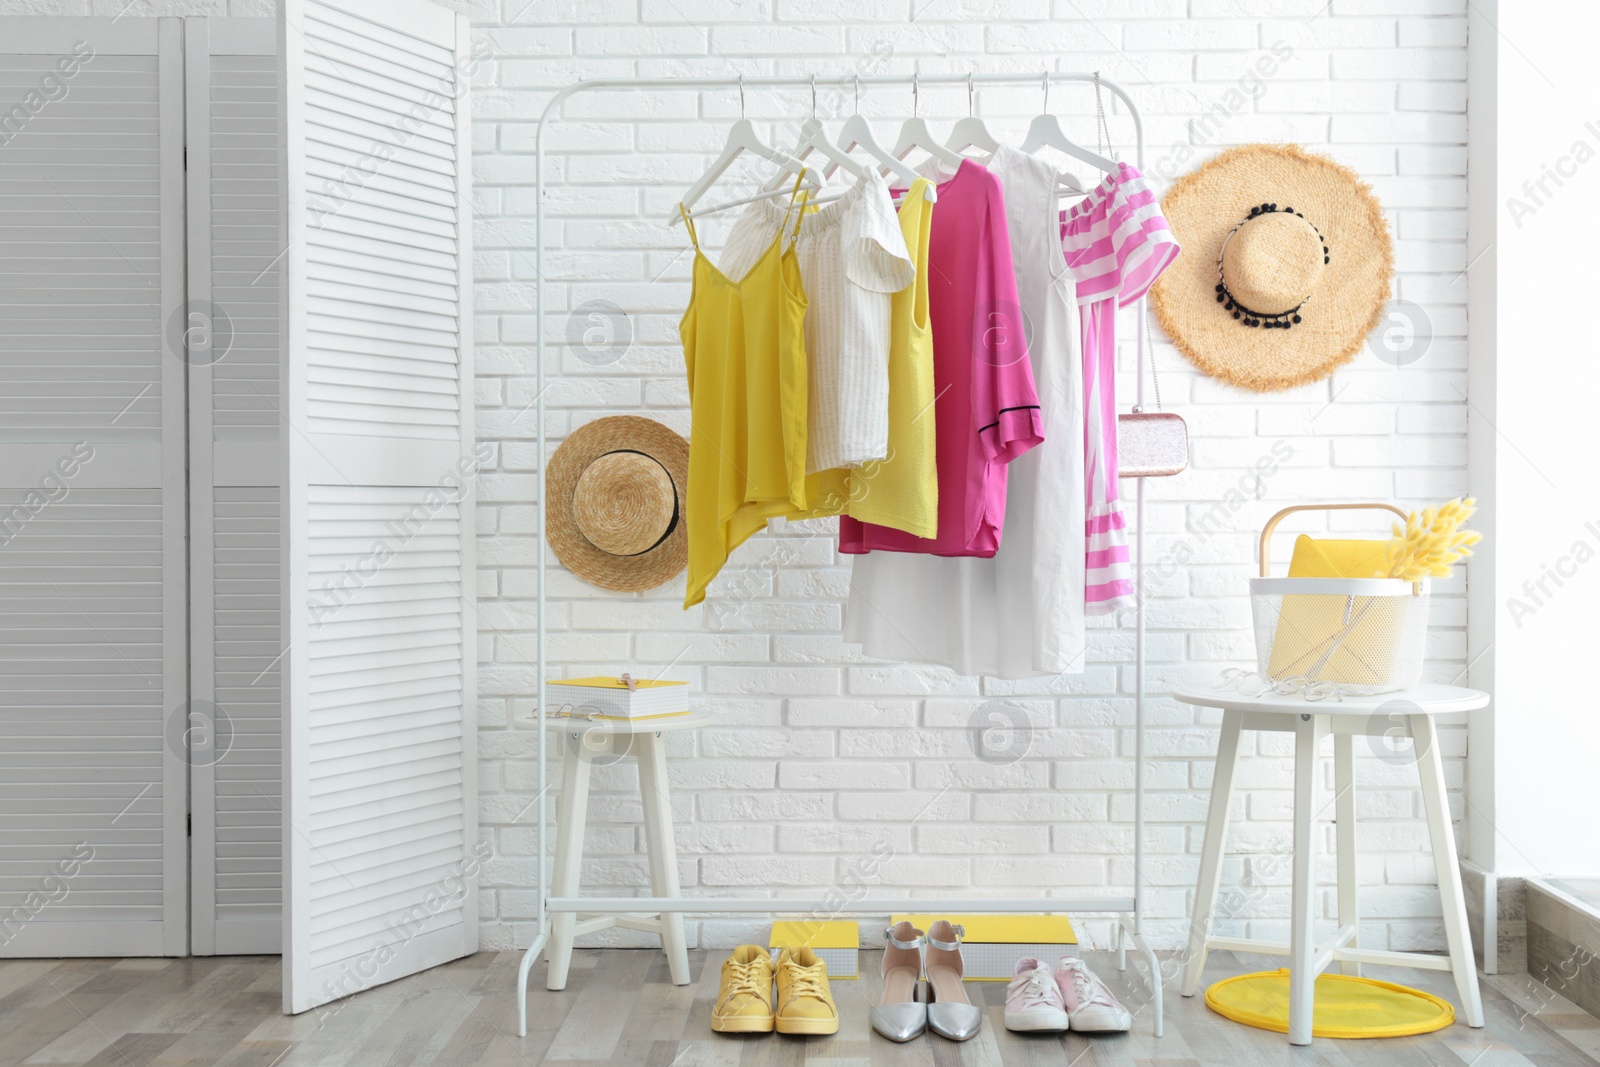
[744, 979]
[802, 982]
[1088, 987]
[1036, 988]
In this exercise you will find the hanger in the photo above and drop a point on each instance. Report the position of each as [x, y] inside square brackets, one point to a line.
[970, 132]
[915, 134]
[1045, 132]
[857, 133]
[813, 138]
[742, 138]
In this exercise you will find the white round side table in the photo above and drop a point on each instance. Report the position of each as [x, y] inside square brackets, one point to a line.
[1408, 713]
[586, 742]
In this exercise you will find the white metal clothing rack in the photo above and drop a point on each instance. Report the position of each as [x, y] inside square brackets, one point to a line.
[1129, 909]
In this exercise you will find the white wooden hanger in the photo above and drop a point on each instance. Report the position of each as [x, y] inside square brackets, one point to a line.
[741, 138]
[915, 134]
[813, 138]
[857, 133]
[1045, 132]
[970, 132]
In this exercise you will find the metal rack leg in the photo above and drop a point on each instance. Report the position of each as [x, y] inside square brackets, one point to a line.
[1155, 981]
[522, 982]
[1126, 930]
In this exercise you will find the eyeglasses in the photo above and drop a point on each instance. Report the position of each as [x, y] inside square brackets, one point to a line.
[1256, 684]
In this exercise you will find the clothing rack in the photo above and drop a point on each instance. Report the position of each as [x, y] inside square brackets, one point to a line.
[1128, 910]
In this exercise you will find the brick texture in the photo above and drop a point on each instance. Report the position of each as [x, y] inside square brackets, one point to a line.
[876, 774]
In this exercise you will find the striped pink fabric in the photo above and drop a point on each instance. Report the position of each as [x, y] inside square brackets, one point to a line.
[1117, 243]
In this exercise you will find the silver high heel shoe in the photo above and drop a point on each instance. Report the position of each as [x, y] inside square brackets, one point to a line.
[901, 1015]
[950, 1013]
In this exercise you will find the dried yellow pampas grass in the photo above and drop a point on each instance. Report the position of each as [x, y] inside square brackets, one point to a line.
[1432, 541]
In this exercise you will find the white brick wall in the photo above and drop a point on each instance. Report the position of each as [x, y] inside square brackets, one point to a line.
[827, 764]
[824, 765]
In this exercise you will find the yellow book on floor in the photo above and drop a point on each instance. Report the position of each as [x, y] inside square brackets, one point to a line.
[992, 944]
[838, 944]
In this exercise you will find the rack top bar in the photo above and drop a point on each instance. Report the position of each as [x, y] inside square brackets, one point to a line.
[846, 81]
[840, 80]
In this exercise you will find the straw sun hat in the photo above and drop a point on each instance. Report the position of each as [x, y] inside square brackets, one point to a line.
[615, 492]
[1286, 268]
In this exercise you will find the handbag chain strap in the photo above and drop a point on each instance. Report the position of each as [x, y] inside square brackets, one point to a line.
[1150, 345]
[1102, 132]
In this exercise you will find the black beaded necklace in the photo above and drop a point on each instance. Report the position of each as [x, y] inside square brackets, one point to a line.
[1280, 320]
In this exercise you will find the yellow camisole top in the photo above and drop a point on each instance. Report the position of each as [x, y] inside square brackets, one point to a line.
[744, 351]
[902, 489]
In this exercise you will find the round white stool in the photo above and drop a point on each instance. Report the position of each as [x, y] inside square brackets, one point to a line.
[1408, 713]
[586, 742]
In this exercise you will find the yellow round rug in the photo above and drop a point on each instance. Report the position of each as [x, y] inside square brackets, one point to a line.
[1346, 1006]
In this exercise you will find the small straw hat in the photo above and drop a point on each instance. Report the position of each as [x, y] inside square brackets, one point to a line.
[615, 496]
[1286, 268]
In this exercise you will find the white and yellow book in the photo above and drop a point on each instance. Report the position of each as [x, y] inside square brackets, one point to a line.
[612, 698]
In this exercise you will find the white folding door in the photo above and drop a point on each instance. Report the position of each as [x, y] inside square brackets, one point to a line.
[93, 686]
[378, 490]
[231, 347]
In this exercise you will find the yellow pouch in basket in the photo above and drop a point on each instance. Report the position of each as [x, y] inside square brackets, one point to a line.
[1310, 625]
[1337, 559]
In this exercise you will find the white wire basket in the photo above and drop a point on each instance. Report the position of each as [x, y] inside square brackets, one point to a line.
[1361, 635]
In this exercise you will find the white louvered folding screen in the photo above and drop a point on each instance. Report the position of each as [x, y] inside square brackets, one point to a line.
[380, 770]
[235, 594]
[92, 510]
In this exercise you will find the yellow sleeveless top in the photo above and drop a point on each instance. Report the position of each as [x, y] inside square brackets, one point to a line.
[902, 491]
[744, 351]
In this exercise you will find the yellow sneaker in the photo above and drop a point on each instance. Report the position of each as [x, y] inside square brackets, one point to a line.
[744, 1003]
[805, 1003]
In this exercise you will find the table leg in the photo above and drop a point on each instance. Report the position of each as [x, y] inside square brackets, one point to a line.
[570, 823]
[1344, 806]
[1302, 916]
[1435, 803]
[653, 789]
[1216, 840]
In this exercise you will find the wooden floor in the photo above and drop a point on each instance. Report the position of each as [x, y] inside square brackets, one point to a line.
[620, 1008]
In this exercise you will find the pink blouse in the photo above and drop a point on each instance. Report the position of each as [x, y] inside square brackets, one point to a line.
[1117, 243]
[986, 411]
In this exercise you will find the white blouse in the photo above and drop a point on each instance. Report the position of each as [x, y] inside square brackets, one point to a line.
[852, 258]
[1019, 614]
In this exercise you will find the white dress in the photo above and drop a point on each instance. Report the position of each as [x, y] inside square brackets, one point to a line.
[1019, 614]
[853, 258]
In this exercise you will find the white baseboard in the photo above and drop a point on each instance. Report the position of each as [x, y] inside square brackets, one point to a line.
[1497, 918]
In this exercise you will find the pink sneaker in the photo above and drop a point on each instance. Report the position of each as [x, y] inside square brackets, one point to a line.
[1090, 1005]
[1033, 1000]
